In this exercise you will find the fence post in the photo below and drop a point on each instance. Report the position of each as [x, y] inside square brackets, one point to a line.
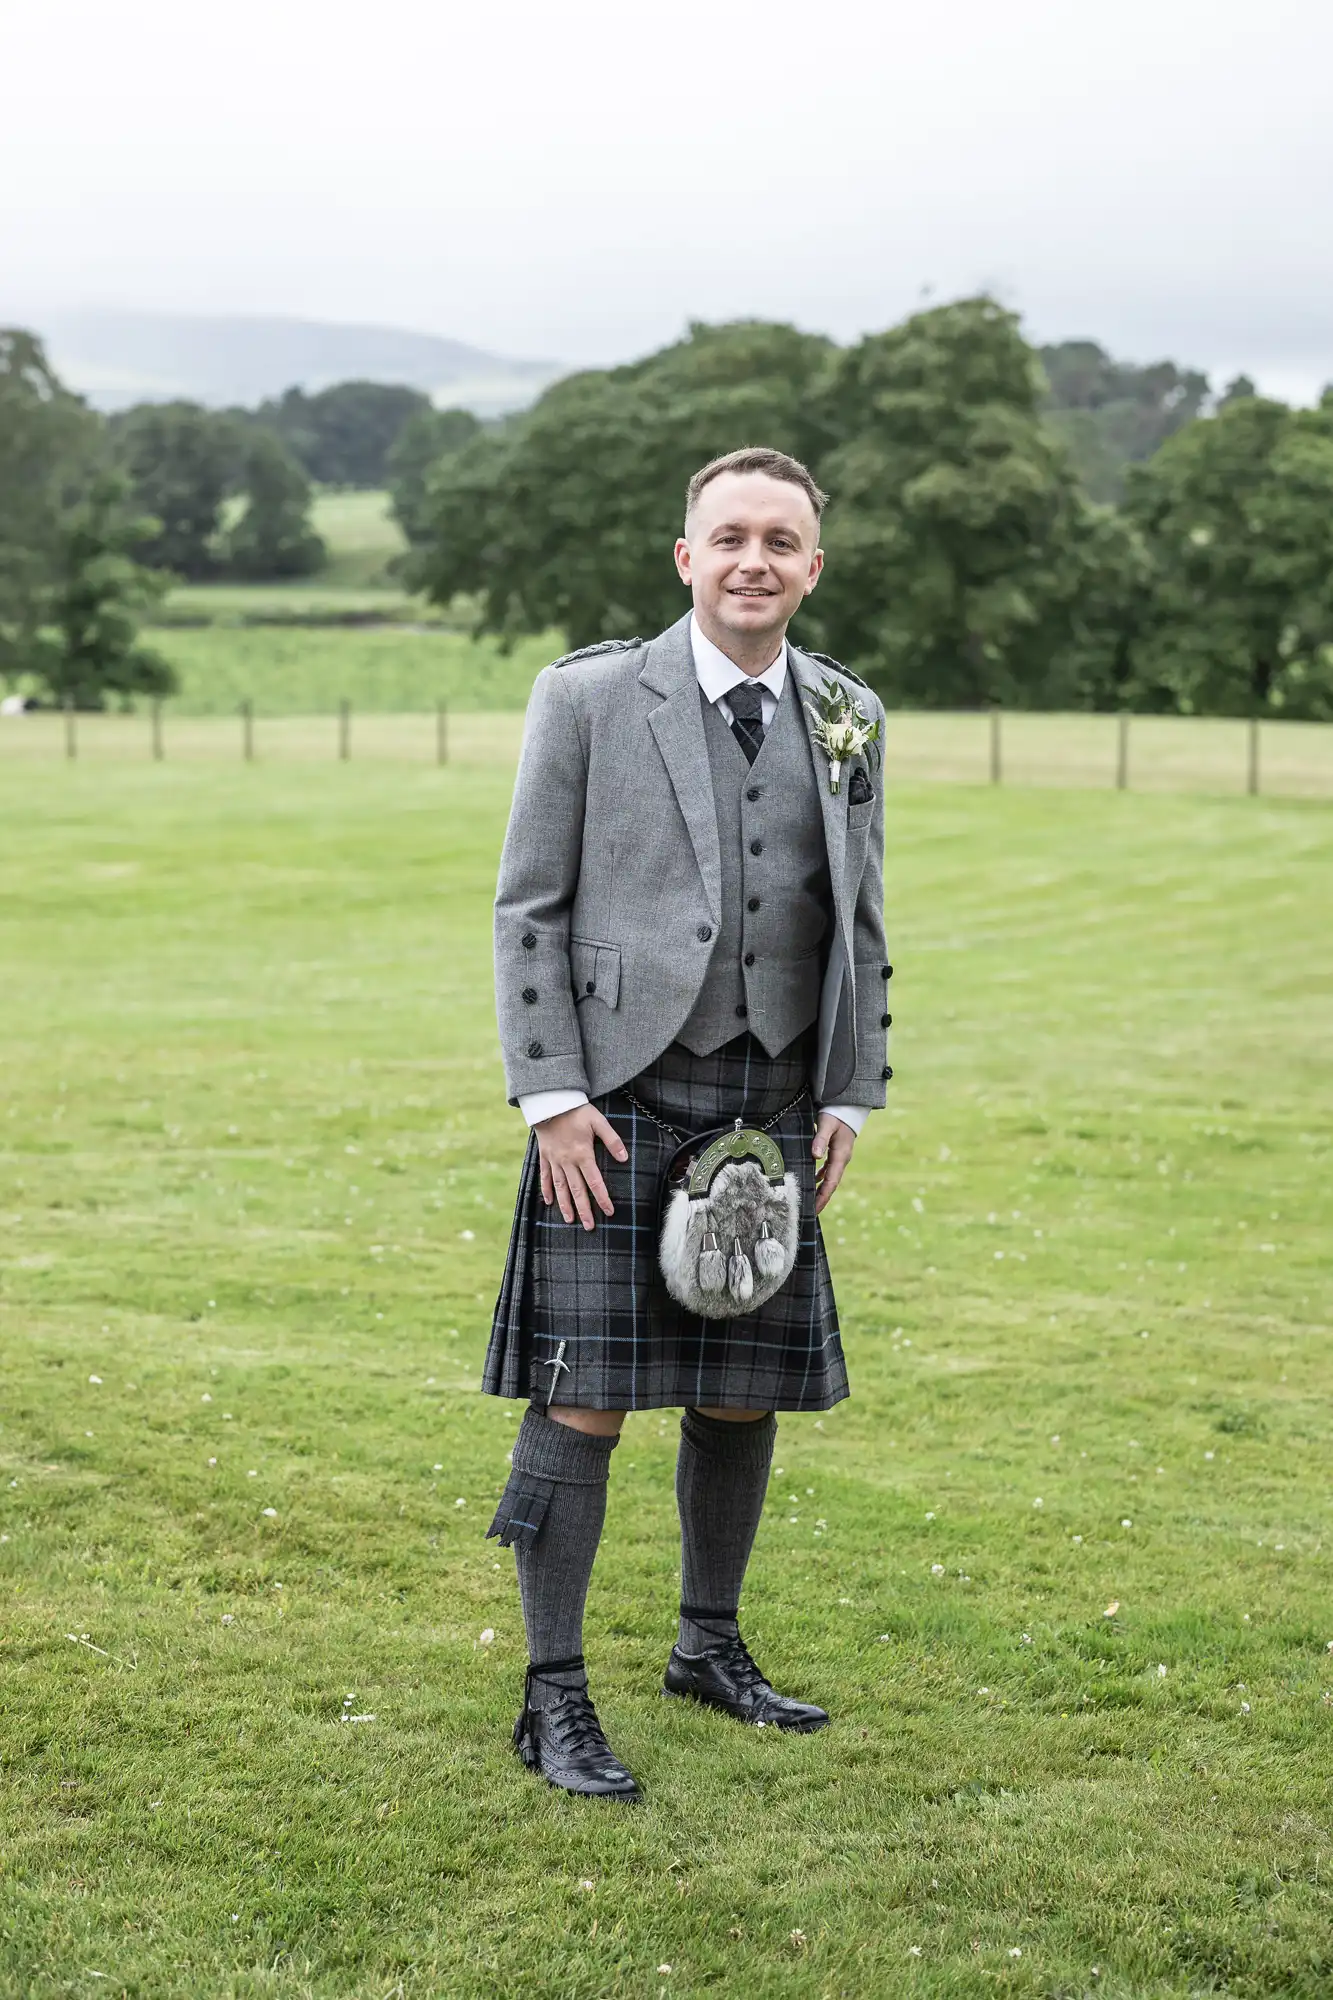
[157, 732]
[344, 730]
[1252, 771]
[996, 771]
[248, 731]
[1122, 752]
[71, 740]
[441, 733]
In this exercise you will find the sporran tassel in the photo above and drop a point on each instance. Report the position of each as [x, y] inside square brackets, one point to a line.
[740, 1277]
[769, 1257]
[712, 1266]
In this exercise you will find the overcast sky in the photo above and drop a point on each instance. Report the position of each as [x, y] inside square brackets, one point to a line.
[577, 180]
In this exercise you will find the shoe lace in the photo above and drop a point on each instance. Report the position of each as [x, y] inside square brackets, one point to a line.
[737, 1659]
[572, 1720]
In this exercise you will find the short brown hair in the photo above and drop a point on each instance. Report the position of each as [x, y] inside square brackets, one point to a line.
[757, 458]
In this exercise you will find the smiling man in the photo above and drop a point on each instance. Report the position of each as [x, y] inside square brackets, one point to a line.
[688, 936]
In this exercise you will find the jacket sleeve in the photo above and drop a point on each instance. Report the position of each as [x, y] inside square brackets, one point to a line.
[870, 960]
[539, 873]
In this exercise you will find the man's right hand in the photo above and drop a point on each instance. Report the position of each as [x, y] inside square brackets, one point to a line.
[569, 1162]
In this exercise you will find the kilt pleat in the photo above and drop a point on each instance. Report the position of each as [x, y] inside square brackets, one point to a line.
[629, 1346]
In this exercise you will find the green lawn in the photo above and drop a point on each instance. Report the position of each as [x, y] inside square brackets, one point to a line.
[362, 538]
[1056, 1567]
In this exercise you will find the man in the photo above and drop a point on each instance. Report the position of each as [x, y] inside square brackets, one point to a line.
[688, 932]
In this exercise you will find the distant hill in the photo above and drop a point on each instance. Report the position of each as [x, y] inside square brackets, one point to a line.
[117, 358]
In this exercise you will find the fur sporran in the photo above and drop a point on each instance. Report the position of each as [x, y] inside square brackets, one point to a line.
[731, 1221]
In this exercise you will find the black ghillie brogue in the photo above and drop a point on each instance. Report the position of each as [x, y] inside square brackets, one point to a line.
[564, 1741]
[726, 1677]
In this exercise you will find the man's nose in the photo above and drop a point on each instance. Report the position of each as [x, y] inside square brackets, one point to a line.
[755, 558]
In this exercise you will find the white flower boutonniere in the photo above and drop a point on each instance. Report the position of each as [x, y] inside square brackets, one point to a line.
[842, 729]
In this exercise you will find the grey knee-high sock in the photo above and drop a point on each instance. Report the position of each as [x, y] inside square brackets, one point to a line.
[552, 1514]
[721, 1478]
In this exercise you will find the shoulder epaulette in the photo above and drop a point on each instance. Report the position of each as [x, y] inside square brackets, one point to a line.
[827, 660]
[591, 652]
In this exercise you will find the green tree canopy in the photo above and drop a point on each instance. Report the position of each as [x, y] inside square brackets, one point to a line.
[272, 536]
[566, 515]
[48, 441]
[98, 596]
[1112, 414]
[954, 533]
[427, 438]
[1237, 515]
[181, 461]
[343, 435]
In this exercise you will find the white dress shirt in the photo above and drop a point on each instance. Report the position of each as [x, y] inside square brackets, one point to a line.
[717, 676]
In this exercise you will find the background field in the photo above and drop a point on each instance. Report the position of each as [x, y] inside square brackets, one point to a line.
[1058, 1568]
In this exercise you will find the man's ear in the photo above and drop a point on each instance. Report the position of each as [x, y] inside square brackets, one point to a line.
[683, 562]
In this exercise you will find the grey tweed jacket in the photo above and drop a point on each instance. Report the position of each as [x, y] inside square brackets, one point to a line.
[610, 881]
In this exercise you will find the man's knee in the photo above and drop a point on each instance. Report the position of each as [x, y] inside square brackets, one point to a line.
[735, 1416]
[593, 1423]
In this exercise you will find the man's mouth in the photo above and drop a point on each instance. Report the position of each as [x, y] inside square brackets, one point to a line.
[749, 590]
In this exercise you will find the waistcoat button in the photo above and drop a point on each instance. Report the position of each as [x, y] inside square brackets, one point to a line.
[591, 986]
[756, 847]
[886, 1020]
[886, 972]
[753, 903]
[704, 932]
[888, 1071]
[530, 994]
[529, 940]
[752, 794]
[742, 1011]
[534, 1049]
[749, 958]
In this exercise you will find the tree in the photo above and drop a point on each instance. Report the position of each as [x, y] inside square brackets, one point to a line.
[272, 537]
[426, 439]
[343, 435]
[98, 594]
[1237, 515]
[566, 515]
[181, 462]
[953, 537]
[47, 441]
[1112, 414]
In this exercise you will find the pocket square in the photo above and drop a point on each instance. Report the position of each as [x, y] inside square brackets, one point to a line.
[861, 791]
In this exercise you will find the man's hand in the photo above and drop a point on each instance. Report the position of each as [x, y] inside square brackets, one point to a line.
[569, 1162]
[833, 1142]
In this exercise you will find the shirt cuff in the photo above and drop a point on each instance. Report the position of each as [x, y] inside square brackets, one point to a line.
[854, 1115]
[539, 1105]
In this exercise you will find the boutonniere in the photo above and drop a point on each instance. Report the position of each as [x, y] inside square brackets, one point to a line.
[842, 729]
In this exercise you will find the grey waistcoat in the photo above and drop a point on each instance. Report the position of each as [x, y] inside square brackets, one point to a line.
[778, 995]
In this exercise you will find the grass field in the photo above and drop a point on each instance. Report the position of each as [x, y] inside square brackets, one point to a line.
[1058, 1568]
[362, 538]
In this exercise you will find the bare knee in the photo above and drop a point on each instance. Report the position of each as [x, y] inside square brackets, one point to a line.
[736, 1416]
[593, 1423]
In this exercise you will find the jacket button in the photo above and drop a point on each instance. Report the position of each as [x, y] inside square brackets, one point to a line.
[704, 932]
[886, 1020]
[749, 958]
[529, 940]
[753, 903]
[534, 1049]
[742, 1011]
[530, 994]
[756, 847]
[591, 986]
[886, 972]
[888, 1071]
[752, 794]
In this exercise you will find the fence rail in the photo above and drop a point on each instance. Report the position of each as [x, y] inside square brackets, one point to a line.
[1129, 753]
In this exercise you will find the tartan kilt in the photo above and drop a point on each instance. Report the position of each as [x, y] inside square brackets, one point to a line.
[629, 1345]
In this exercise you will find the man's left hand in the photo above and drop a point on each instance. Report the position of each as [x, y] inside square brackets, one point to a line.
[833, 1142]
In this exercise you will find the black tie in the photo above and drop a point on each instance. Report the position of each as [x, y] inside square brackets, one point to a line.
[747, 711]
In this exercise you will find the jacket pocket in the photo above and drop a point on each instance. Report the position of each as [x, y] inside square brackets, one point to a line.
[595, 970]
[860, 816]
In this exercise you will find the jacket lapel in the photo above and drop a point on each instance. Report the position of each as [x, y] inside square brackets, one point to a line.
[832, 804]
[678, 726]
